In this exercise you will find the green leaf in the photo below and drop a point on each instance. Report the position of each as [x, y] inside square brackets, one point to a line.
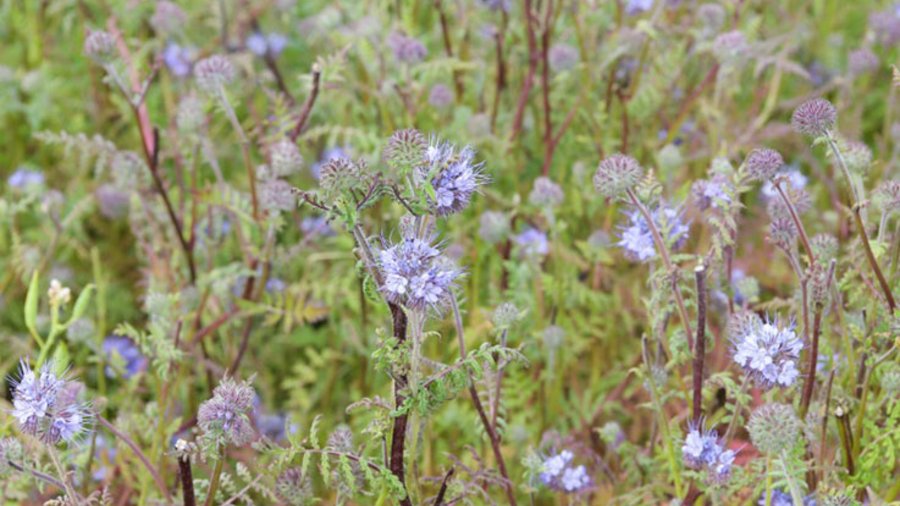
[84, 298]
[31, 306]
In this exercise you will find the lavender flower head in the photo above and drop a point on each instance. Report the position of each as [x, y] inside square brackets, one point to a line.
[168, 17]
[814, 117]
[558, 473]
[546, 193]
[263, 44]
[42, 408]
[440, 96]
[406, 49]
[532, 243]
[767, 351]
[562, 57]
[328, 155]
[711, 193]
[123, 349]
[227, 414]
[415, 275]
[703, 450]
[637, 238]
[454, 175]
[794, 178]
[24, 178]
[177, 59]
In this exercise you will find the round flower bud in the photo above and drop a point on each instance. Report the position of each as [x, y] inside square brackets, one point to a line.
[825, 247]
[286, 158]
[168, 17]
[100, 47]
[214, 73]
[405, 148]
[763, 163]
[546, 193]
[340, 175]
[814, 117]
[617, 174]
[774, 428]
[440, 96]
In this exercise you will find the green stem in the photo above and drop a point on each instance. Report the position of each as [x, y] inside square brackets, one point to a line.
[214, 483]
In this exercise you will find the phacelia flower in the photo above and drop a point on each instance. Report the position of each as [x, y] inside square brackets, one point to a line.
[112, 202]
[227, 413]
[562, 57]
[532, 243]
[493, 226]
[774, 428]
[702, 450]
[637, 238]
[546, 193]
[778, 498]
[791, 175]
[262, 44]
[177, 59]
[168, 17]
[316, 226]
[558, 474]
[763, 163]
[638, 6]
[407, 49]
[214, 73]
[440, 96]
[123, 350]
[43, 408]
[24, 178]
[767, 351]
[100, 46]
[814, 117]
[886, 25]
[862, 61]
[415, 275]
[454, 175]
[616, 174]
[328, 155]
[711, 193]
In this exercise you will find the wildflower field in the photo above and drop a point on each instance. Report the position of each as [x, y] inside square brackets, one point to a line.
[449, 252]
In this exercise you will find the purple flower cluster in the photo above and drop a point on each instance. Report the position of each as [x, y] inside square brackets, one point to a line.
[637, 238]
[262, 44]
[415, 275]
[44, 406]
[454, 176]
[125, 350]
[407, 49]
[703, 450]
[227, 413]
[24, 178]
[532, 243]
[558, 473]
[767, 351]
[178, 59]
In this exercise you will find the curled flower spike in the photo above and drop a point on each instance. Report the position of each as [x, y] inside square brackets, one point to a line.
[415, 275]
[227, 413]
[814, 117]
[767, 351]
[617, 174]
[43, 407]
[454, 175]
[763, 163]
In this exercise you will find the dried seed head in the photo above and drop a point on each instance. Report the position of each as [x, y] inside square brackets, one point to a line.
[857, 155]
[285, 157]
[276, 195]
[494, 226]
[214, 73]
[100, 47]
[763, 163]
[505, 315]
[617, 174]
[774, 428]
[814, 117]
[405, 149]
